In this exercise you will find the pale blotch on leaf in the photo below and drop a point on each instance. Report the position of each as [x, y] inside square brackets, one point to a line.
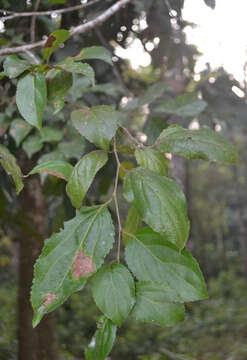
[51, 172]
[82, 265]
[49, 298]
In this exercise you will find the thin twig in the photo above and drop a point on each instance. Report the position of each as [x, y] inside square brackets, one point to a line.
[172, 355]
[33, 22]
[33, 57]
[76, 30]
[115, 69]
[116, 201]
[101, 18]
[132, 138]
[44, 13]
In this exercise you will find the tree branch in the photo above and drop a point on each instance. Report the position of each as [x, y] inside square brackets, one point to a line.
[43, 13]
[76, 30]
[101, 18]
[33, 22]
[115, 69]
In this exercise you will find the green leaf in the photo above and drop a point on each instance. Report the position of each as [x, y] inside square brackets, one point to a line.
[4, 123]
[83, 175]
[31, 98]
[8, 162]
[186, 105]
[125, 167]
[58, 168]
[2, 75]
[107, 88]
[133, 223]
[163, 263]
[153, 304]
[19, 129]
[153, 160]
[58, 84]
[153, 128]
[153, 92]
[13, 66]
[204, 144]
[94, 52]
[98, 124]
[70, 257]
[72, 149]
[32, 145]
[78, 68]
[103, 340]
[160, 203]
[55, 39]
[51, 134]
[114, 292]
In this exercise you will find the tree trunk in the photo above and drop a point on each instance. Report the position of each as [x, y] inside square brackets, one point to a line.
[243, 243]
[39, 343]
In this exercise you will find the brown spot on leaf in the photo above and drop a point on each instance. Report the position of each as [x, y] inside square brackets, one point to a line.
[83, 265]
[54, 173]
[49, 298]
[50, 41]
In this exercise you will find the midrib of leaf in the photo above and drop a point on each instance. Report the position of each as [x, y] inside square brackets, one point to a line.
[116, 305]
[86, 233]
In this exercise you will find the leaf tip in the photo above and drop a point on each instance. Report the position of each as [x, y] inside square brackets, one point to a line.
[38, 315]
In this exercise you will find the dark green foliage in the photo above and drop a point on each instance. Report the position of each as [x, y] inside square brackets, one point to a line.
[31, 96]
[160, 203]
[161, 275]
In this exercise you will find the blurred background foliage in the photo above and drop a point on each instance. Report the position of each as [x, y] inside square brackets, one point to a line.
[215, 329]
